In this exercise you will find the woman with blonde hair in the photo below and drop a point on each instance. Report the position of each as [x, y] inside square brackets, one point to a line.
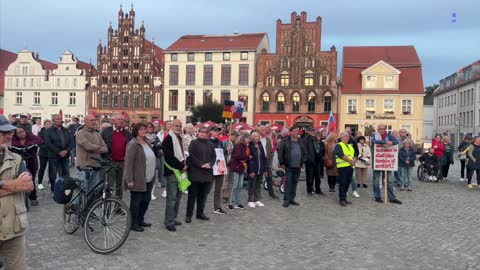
[329, 160]
[256, 170]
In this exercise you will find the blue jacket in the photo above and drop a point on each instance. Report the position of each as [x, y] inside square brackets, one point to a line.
[403, 155]
[256, 165]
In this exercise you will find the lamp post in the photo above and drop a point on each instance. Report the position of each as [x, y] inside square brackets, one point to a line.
[458, 123]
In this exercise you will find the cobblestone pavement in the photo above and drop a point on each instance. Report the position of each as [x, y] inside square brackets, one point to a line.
[433, 229]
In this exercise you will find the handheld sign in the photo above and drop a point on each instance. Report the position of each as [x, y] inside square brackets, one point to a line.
[385, 159]
[220, 167]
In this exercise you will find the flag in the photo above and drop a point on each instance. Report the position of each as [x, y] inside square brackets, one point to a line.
[332, 125]
[237, 109]
[227, 109]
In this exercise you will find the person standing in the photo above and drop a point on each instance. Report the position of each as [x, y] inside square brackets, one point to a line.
[43, 155]
[256, 170]
[345, 162]
[406, 161]
[139, 175]
[473, 163]
[319, 147]
[462, 155]
[329, 161]
[37, 127]
[439, 148]
[363, 163]
[291, 157]
[238, 167]
[227, 152]
[22, 122]
[200, 163]
[116, 137]
[59, 144]
[72, 129]
[381, 137]
[188, 136]
[269, 153]
[12, 119]
[447, 158]
[217, 179]
[313, 161]
[174, 156]
[15, 180]
[353, 142]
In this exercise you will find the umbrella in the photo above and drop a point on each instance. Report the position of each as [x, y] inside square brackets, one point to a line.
[277, 127]
[242, 125]
[208, 124]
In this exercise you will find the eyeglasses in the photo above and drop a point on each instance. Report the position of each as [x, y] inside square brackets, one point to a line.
[179, 126]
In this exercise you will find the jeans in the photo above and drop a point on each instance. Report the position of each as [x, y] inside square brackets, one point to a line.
[218, 182]
[268, 178]
[90, 177]
[53, 165]
[406, 173]
[398, 178]
[237, 185]
[254, 187]
[445, 169]
[345, 176]
[174, 195]
[470, 175]
[115, 179]
[354, 181]
[197, 191]
[161, 170]
[292, 175]
[139, 202]
[41, 170]
[377, 177]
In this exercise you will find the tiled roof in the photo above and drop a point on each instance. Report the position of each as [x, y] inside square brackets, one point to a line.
[158, 55]
[403, 58]
[87, 66]
[47, 65]
[6, 58]
[205, 42]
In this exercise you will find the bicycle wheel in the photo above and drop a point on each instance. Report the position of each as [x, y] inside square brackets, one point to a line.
[265, 186]
[282, 188]
[107, 225]
[71, 220]
[420, 173]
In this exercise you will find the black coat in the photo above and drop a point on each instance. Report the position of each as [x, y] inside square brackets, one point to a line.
[43, 149]
[284, 151]
[257, 163]
[200, 151]
[54, 142]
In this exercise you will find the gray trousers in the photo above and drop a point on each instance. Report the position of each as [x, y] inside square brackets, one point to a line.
[13, 253]
[218, 182]
[254, 187]
[174, 196]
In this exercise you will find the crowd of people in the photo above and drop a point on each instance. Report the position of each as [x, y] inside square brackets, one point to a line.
[152, 155]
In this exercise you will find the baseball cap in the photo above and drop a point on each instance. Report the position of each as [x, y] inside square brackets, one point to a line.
[23, 115]
[5, 125]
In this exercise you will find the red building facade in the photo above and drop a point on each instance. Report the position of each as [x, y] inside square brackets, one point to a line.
[130, 72]
[296, 85]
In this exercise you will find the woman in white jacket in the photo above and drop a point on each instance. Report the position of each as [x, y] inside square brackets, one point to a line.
[363, 163]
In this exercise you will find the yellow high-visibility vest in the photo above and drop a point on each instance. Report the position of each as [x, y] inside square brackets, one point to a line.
[347, 151]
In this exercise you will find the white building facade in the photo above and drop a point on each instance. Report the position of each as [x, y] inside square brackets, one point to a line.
[202, 69]
[43, 89]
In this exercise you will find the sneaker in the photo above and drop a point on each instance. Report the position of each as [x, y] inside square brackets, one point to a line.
[355, 194]
[402, 188]
[185, 192]
[469, 186]
[396, 201]
[164, 193]
[153, 197]
[251, 204]
[343, 203]
[409, 188]
[239, 206]
[462, 179]
[258, 203]
[430, 178]
[219, 211]
[365, 186]
[230, 207]
[435, 178]
[40, 186]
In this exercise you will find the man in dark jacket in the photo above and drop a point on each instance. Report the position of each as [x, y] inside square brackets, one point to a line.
[116, 137]
[59, 144]
[291, 156]
[311, 166]
[72, 129]
[23, 123]
[217, 179]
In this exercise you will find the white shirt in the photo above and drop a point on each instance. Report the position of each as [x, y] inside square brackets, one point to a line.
[36, 129]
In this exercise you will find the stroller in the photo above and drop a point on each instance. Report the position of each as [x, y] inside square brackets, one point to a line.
[278, 180]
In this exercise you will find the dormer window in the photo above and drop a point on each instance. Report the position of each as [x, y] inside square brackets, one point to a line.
[371, 81]
[388, 82]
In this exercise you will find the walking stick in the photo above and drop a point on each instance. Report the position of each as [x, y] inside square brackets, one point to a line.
[386, 188]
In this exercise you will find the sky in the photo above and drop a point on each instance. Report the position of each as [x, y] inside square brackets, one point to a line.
[444, 43]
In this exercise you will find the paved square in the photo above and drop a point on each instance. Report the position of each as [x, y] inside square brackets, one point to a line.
[435, 228]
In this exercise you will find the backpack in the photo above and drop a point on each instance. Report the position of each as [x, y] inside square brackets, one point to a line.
[63, 190]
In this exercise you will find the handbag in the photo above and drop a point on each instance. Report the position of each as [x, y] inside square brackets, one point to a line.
[328, 163]
[182, 178]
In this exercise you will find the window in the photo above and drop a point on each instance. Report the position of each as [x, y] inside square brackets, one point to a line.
[146, 79]
[296, 102]
[226, 56]
[371, 81]
[263, 123]
[352, 106]
[324, 79]
[207, 74]
[370, 106]
[208, 56]
[207, 97]
[115, 79]
[125, 100]
[173, 100]
[327, 102]
[125, 39]
[173, 74]
[72, 98]
[190, 75]
[243, 75]
[104, 100]
[136, 79]
[19, 98]
[136, 100]
[308, 78]
[270, 80]
[224, 95]
[244, 56]
[226, 74]
[136, 65]
[114, 100]
[312, 102]
[24, 82]
[58, 82]
[16, 83]
[388, 106]
[125, 79]
[125, 52]
[189, 99]
[125, 65]
[31, 82]
[115, 66]
[407, 106]
[75, 82]
[388, 81]
[284, 79]
[104, 79]
[265, 102]
[54, 98]
[280, 102]
[36, 98]
[174, 57]
[191, 57]
[146, 100]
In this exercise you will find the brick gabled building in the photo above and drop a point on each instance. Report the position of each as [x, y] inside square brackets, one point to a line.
[296, 85]
[130, 72]
[6, 58]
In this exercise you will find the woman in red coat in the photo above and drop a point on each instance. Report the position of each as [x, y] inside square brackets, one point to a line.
[438, 148]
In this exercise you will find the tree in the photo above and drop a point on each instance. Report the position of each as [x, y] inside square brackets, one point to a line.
[369, 130]
[429, 89]
[212, 111]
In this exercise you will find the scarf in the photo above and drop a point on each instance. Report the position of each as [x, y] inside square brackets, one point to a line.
[379, 137]
[177, 148]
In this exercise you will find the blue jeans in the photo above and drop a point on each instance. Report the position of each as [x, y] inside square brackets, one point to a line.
[237, 186]
[377, 177]
[53, 164]
[354, 181]
[291, 175]
[406, 176]
[90, 178]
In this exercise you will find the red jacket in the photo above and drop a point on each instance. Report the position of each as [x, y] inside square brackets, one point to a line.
[439, 147]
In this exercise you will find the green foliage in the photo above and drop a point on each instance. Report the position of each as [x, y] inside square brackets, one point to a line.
[369, 130]
[206, 112]
[429, 89]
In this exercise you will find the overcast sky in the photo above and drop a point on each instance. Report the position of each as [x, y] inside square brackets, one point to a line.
[52, 26]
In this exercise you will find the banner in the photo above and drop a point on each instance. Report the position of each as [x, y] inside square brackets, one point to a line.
[385, 158]
[232, 109]
[220, 166]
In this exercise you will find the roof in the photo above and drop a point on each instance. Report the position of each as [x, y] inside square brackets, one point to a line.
[6, 58]
[466, 67]
[403, 58]
[87, 66]
[226, 42]
[158, 55]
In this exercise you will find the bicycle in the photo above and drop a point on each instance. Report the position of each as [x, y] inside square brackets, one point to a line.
[98, 213]
[278, 180]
